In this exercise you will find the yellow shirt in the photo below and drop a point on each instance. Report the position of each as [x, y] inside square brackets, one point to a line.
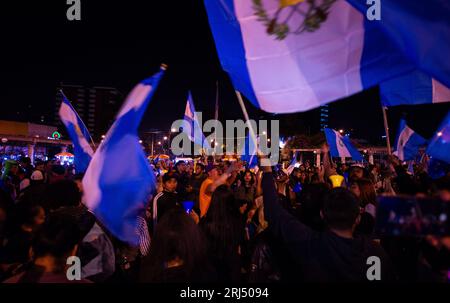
[204, 198]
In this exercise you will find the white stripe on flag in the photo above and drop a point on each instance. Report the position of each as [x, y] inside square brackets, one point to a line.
[341, 147]
[303, 68]
[137, 97]
[441, 93]
[67, 115]
[402, 140]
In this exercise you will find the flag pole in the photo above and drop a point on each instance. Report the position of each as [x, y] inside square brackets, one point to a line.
[386, 129]
[216, 114]
[244, 111]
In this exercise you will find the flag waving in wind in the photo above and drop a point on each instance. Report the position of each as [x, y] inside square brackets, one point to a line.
[408, 143]
[190, 116]
[413, 88]
[119, 179]
[341, 146]
[346, 55]
[439, 147]
[78, 134]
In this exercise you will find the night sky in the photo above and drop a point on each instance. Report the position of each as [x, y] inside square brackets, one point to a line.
[118, 43]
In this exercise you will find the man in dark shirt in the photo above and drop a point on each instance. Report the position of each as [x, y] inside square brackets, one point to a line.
[167, 199]
[331, 256]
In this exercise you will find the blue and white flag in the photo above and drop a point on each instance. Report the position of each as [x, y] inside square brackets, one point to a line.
[413, 88]
[119, 179]
[346, 55]
[78, 134]
[194, 132]
[408, 142]
[439, 147]
[341, 146]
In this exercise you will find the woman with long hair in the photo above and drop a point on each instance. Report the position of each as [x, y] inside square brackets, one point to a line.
[247, 187]
[224, 231]
[177, 253]
[364, 189]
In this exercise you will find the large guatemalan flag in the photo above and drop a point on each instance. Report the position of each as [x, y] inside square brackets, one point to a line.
[347, 54]
[78, 134]
[119, 179]
[408, 142]
[341, 146]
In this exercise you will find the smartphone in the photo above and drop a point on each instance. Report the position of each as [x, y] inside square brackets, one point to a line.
[188, 206]
[411, 216]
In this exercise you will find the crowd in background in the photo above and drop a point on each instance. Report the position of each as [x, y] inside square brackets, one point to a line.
[219, 221]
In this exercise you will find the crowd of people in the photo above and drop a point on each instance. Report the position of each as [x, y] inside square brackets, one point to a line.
[220, 221]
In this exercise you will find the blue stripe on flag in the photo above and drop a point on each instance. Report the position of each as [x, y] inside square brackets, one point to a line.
[419, 29]
[413, 88]
[230, 45]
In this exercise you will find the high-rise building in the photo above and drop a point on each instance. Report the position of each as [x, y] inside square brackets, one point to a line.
[324, 115]
[97, 106]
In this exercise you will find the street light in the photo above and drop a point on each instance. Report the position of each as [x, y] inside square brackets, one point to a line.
[174, 130]
[165, 138]
[140, 141]
[103, 136]
[159, 142]
[341, 131]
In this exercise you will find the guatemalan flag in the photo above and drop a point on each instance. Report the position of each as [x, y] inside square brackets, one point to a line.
[341, 146]
[413, 88]
[294, 163]
[119, 179]
[78, 134]
[194, 131]
[439, 147]
[408, 142]
[347, 54]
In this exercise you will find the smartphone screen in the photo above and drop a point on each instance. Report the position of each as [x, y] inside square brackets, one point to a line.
[411, 216]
